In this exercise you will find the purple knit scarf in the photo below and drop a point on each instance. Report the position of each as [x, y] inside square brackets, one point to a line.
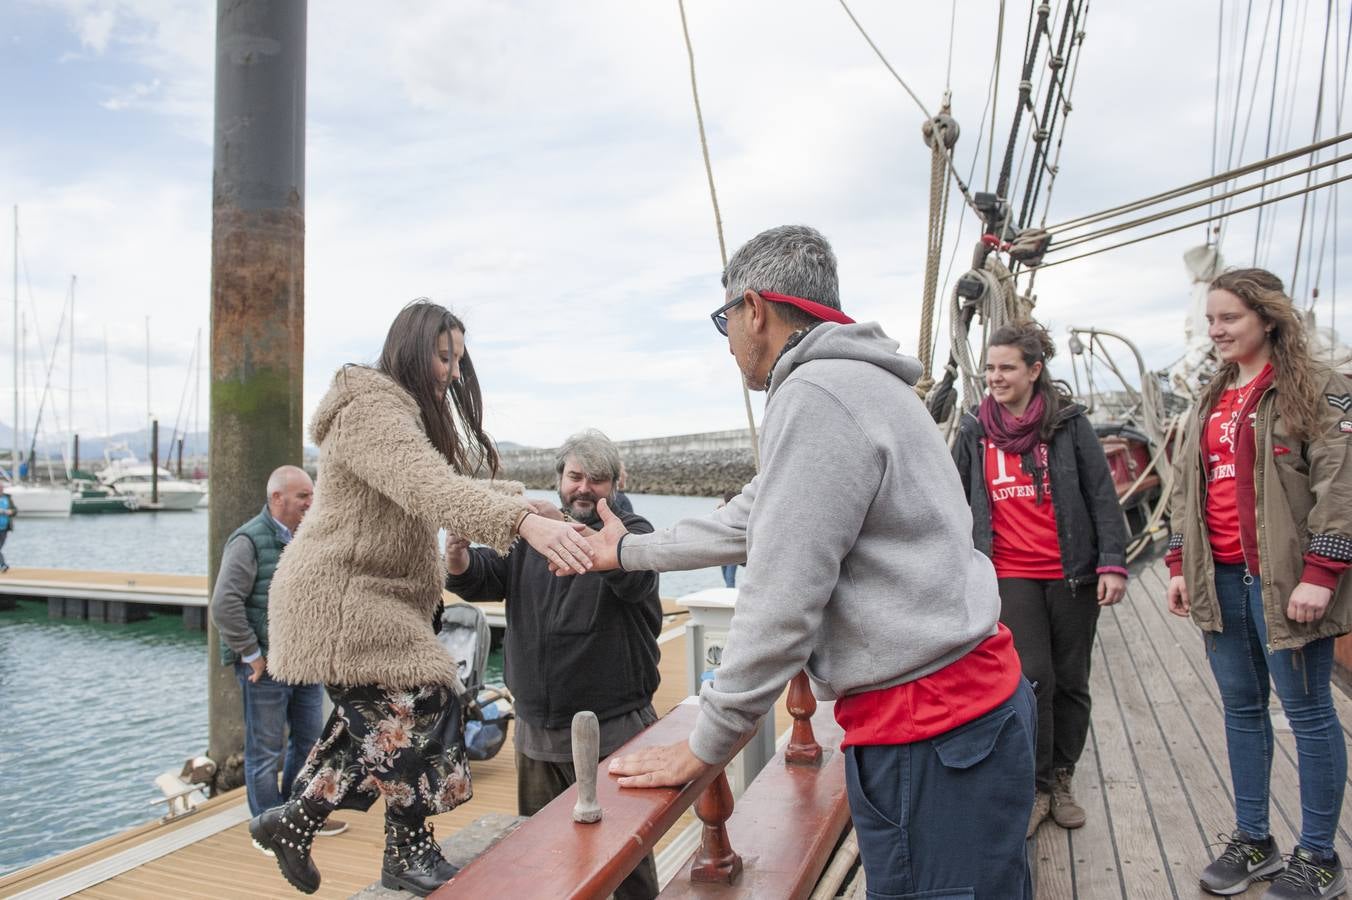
[1011, 433]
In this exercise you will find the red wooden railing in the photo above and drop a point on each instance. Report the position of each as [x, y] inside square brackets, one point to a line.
[775, 841]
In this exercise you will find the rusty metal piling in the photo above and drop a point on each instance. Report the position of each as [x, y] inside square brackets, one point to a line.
[257, 291]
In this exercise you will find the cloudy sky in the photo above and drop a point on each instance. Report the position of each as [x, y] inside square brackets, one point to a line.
[536, 167]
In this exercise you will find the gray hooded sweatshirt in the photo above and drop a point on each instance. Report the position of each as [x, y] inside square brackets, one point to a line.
[856, 535]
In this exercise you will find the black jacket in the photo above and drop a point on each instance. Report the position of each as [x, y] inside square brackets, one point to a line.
[1090, 527]
[572, 643]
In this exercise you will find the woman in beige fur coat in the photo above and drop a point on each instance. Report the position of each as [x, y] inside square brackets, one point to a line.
[351, 605]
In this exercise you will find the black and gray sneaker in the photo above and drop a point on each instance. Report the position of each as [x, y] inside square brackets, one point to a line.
[1241, 863]
[1306, 878]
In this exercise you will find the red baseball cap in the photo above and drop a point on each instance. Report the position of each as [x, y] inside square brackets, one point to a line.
[811, 307]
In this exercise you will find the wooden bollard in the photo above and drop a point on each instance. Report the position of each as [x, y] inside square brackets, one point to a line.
[715, 862]
[803, 749]
[586, 750]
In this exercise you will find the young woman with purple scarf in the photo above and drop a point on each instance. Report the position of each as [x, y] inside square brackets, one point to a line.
[1045, 511]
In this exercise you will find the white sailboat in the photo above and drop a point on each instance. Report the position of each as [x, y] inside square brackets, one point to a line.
[29, 499]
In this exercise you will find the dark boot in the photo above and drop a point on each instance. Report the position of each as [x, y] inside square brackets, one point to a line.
[413, 860]
[285, 832]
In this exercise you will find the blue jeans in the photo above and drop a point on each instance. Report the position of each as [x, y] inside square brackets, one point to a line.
[269, 708]
[1242, 667]
[729, 575]
[945, 818]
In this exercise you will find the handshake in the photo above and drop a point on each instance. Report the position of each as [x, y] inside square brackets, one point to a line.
[570, 548]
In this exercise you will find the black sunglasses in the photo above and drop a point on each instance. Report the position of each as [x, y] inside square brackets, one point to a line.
[720, 315]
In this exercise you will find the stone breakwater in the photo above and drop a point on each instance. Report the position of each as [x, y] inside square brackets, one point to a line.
[692, 465]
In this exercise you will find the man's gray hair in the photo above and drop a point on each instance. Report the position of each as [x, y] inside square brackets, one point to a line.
[281, 477]
[791, 259]
[595, 453]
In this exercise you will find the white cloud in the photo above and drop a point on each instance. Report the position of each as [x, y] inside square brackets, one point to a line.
[536, 167]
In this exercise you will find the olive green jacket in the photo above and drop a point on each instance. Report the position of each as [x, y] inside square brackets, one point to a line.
[1304, 494]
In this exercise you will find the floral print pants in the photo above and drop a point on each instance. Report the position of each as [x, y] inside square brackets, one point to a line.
[404, 745]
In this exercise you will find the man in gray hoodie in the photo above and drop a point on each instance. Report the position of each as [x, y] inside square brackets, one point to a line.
[860, 567]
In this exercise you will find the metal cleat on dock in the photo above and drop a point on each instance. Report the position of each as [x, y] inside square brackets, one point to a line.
[184, 791]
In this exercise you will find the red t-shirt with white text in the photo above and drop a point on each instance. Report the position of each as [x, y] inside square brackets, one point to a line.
[1024, 543]
[1218, 447]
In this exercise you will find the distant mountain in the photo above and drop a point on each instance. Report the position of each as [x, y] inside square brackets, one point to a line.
[93, 446]
[194, 444]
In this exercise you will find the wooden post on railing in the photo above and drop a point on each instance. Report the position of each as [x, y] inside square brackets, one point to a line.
[586, 750]
[716, 862]
[803, 749]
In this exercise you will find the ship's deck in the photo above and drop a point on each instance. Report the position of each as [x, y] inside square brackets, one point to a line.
[1154, 781]
[1154, 778]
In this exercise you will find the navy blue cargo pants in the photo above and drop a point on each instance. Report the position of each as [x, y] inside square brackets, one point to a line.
[945, 818]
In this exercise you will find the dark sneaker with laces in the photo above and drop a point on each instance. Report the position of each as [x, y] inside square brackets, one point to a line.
[1241, 863]
[1306, 878]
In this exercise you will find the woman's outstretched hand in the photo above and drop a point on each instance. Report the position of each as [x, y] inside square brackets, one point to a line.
[558, 542]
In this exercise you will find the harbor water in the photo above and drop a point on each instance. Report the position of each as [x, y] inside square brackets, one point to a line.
[94, 712]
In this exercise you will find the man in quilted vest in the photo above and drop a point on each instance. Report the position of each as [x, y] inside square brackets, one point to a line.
[239, 607]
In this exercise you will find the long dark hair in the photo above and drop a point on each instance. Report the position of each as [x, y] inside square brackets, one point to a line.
[1035, 346]
[407, 357]
[1297, 377]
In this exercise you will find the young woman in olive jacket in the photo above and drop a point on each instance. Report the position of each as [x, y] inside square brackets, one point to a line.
[1045, 510]
[1261, 522]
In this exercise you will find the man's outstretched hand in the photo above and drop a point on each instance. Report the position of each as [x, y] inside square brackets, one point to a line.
[604, 544]
[669, 766]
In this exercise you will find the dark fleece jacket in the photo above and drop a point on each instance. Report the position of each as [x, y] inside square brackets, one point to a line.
[1089, 523]
[572, 643]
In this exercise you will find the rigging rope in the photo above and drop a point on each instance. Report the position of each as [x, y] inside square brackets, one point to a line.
[1232, 212]
[1267, 147]
[1144, 220]
[1216, 101]
[948, 157]
[997, 305]
[1050, 108]
[718, 216]
[1070, 91]
[1230, 175]
[995, 90]
[1025, 89]
[987, 114]
[938, 134]
[1253, 96]
[1330, 209]
[1318, 121]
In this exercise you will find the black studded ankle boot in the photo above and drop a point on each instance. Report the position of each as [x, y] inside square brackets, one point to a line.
[413, 860]
[285, 832]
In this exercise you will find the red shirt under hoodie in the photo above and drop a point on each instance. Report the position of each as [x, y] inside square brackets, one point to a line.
[925, 708]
